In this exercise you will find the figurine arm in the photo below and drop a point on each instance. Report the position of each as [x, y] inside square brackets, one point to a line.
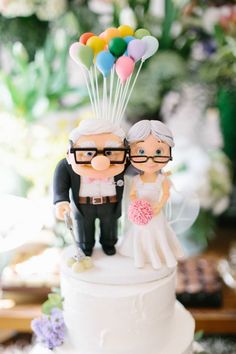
[133, 193]
[61, 187]
[165, 196]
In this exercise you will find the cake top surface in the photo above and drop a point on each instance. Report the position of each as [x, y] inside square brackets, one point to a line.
[115, 270]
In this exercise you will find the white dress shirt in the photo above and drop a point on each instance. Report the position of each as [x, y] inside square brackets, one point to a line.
[90, 187]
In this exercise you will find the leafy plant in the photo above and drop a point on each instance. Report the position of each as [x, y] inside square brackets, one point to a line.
[32, 88]
[54, 300]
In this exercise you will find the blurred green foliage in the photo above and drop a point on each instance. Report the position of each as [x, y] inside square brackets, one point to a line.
[34, 87]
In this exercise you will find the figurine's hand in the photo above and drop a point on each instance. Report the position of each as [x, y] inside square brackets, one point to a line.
[157, 208]
[61, 208]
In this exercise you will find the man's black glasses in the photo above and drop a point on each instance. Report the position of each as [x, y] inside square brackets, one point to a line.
[85, 155]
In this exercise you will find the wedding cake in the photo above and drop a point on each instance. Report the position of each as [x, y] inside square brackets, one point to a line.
[115, 308]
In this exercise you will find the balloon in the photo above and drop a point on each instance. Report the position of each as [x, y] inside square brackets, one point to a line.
[103, 36]
[85, 36]
[126, 30]
[152, 45]
[124, 67]
[141, 32]
[104, 62]
[96, 43]
[81, 54]
[136, 49]
[111, 33]
[128, 39]
[117, 46]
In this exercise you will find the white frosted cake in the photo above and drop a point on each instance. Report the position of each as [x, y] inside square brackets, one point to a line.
[116, 308]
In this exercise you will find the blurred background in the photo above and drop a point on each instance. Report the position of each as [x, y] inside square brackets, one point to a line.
[190, 84]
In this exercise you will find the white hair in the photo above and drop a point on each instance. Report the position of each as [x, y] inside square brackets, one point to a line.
[95, 126]
[142, 129]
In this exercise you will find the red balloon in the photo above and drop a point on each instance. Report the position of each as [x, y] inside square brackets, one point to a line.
[85, 37]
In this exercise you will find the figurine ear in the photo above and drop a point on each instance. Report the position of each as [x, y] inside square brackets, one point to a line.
[68, 157]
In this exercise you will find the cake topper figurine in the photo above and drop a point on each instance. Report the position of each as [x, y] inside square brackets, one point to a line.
[89, 182]
[150, 239]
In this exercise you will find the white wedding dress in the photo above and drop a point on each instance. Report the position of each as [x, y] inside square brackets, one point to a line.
[155, 243]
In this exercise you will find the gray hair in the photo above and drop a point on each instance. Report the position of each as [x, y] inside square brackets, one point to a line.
[95, 126]
[142, 129]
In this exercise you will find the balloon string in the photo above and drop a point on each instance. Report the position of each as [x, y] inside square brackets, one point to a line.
[111, 90]
[123, 85]
[132, 87]
[97, 91]
[104, 100]
[89, 90]
[118, 84]
[118, 100]
[93, 90]
[119, 117]
[106, 105]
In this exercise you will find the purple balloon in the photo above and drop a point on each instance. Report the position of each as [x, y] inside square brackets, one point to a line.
[136, 49]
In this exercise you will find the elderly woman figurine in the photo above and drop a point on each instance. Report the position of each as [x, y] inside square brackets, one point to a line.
[150, 238]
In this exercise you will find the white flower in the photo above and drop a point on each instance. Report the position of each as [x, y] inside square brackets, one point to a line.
[51, 9]
[221, 205]
[157, 8]
[210, 18]
[16, 8]
[198, 53]
[127, 17]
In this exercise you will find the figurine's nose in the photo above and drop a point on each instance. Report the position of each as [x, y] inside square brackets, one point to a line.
[100, 163]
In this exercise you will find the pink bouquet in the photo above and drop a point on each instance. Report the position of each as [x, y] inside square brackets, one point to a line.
[140, 212]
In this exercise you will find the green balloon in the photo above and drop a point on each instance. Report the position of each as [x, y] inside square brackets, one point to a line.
[117, 46]
[141, 32]
[85, 55]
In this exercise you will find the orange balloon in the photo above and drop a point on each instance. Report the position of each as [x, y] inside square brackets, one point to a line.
[125, 30]
[111, 33]
[85, 36]
[96, 43]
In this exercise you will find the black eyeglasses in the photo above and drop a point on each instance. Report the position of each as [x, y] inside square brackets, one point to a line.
[155, 158]
[85, 155]
[145, 158]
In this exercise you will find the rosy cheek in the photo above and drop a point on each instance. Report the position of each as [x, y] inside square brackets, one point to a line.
[139, 166]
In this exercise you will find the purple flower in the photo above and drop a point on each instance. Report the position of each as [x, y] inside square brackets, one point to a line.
[41, 327]
[50, 330]
[209, 46]
[57, 320]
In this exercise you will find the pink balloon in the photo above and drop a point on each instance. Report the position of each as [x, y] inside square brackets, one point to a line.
[102, 35]
[124, 67]
[136, 49]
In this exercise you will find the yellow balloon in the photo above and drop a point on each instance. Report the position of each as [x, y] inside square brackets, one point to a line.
[111, 33]
[96, 43]
[126, 30]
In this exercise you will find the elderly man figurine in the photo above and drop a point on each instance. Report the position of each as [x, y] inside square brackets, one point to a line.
[90, 181]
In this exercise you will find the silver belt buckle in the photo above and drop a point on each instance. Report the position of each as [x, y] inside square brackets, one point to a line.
[97, 200]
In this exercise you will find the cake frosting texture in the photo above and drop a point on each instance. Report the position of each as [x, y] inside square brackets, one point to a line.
[126, 313]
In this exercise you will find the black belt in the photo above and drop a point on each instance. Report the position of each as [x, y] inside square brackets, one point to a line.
[98, 200]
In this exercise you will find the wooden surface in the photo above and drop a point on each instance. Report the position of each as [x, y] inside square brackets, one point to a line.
[221, 320]
[19, 317]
